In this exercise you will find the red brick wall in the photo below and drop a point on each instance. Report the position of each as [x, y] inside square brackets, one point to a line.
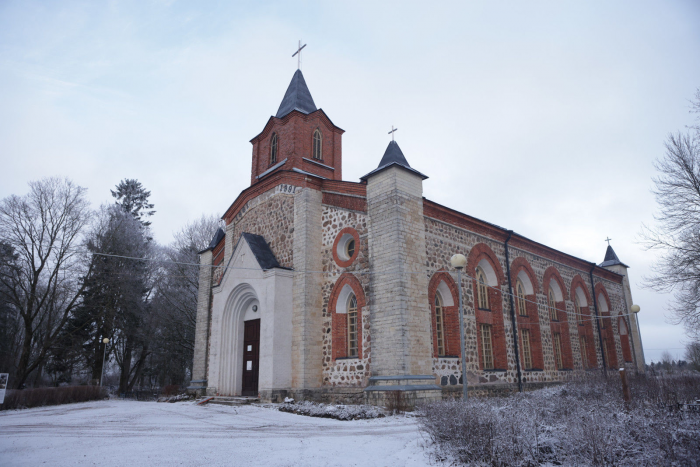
[606, 327]
[494, 317]
[450, 315]
[530, 322]
[339, 327]
[295, 142]
[561, 324]
[585, 329]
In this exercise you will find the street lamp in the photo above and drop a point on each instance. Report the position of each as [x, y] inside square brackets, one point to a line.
[105, 341]
[635, 309]
[458, 262]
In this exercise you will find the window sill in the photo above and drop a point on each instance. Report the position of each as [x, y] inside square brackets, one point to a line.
[483, 309]
[448, 356]
[533, 369]
[348, 358]
[495, 370]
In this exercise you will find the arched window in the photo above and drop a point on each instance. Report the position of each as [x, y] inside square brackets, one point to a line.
[318, 145]
[482, 290]
[584, 351]
[551, 301]
[439, 324]
[556, 338]
[520, 297]
[486, 347]
[527, 348]
[352, 326]
[273, 149]
[579, 314]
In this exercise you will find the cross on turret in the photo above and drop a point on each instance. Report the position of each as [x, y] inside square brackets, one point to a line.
[608, 240]
[298, 52]
[392, 132]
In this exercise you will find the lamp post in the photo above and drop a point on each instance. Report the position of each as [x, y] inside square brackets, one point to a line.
[635, 309]
[105, 341]
[458, 262]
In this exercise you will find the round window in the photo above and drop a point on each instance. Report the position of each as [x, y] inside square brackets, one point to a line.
[346, 247]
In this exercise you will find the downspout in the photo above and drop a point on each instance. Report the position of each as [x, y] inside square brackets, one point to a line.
[597, 320]
[512, 315]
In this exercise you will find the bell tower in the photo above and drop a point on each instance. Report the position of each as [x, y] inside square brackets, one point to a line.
[299, 138]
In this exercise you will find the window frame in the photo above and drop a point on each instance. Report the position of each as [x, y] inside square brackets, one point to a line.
[482, 291]
[556, 347]
[317, 145]
[487, 359]
[352, 327]
[520, 298]
[552, 305]
[440, 324]
[526, 345]
[274, 149]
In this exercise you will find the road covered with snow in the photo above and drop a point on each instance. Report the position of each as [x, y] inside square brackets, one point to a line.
[116, 433]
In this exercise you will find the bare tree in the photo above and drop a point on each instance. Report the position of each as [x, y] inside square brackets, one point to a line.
[692, 355]
[176, 299]
[43, 284]
[677, 231]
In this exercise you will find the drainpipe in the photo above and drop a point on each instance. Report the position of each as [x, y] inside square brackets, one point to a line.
[512, 315]
[597, 320]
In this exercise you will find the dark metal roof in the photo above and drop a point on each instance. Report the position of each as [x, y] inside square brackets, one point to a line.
[611, 259]
[214, 241]
[393, 156]
[297, 97]
[262, 252]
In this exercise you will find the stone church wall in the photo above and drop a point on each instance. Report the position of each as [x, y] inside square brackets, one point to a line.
[443, 240]
[353, 372]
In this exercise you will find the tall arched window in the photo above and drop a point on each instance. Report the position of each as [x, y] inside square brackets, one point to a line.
[352, 326]
[579, 314]
[486, 347]
[439, 324]
[552, 302]
[584, 351]
[318, 145]
[527, 348]
[520, 298]
[482, 290]
[556, 341]
[273, 149]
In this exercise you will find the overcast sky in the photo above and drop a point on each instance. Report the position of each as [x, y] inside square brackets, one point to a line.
[541, 117]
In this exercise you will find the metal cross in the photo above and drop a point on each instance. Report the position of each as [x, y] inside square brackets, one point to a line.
[298, 52]
[608, 240]
[392, 132]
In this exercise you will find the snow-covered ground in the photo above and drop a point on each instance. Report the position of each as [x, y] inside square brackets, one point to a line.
[130, 433]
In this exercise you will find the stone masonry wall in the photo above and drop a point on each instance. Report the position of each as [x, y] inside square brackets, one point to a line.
[443, 240]
[400, 312]
[348, 371]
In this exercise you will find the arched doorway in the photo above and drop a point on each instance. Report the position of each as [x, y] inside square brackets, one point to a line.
[240, 343]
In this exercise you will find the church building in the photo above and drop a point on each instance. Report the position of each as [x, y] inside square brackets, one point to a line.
[331, 290]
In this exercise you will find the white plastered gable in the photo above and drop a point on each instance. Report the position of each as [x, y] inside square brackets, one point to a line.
[243, 285]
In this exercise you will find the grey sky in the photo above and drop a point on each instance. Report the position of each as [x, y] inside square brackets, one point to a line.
[542, 117]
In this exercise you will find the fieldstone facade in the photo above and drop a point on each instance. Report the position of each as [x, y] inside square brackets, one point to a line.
[368, 265]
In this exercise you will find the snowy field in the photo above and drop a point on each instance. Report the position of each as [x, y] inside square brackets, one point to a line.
[117, 433]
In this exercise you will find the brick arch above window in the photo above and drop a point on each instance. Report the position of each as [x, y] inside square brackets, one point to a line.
[336, 307]
[552, 274]
[577, 284]
[482, 252]
[443, 283]
[521, 266]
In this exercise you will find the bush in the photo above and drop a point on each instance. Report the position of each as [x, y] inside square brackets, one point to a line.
[338, 412]
[27, 398]
[581, 423]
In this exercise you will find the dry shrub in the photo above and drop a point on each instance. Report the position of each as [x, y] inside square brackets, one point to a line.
[27, 398]
[581, 423]
[172, 390]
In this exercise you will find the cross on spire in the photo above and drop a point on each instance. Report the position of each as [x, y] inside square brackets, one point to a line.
[298, 52]
[608, 240]
[392, 132]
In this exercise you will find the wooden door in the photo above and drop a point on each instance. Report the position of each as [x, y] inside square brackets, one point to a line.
[251, 353]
